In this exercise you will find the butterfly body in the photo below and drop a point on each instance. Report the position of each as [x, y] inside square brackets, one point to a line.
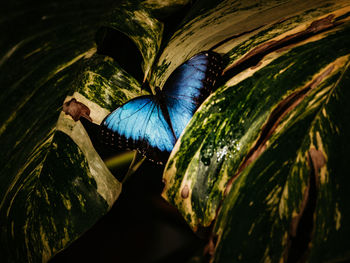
[152, 124]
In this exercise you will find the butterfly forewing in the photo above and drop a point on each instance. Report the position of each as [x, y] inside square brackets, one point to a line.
[189, 85]
[138, 124]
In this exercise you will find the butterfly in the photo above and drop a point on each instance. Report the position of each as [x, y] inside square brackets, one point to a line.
[152, 124]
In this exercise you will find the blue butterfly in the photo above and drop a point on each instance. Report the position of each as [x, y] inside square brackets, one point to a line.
[152, 124]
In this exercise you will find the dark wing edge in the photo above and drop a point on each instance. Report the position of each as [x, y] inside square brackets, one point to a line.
[115, 140]
[213, 72]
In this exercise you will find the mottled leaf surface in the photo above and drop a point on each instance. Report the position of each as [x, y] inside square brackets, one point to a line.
[54, 186]
[235, 27]
[105, 83]
[329, 137]
[292, 197]
[215, 144]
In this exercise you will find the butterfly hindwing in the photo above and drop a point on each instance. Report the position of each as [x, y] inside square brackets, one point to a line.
[189, 85]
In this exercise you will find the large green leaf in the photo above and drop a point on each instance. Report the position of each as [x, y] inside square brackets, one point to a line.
[268, 149]
[54, 185]
[269, 59]
[295, 190]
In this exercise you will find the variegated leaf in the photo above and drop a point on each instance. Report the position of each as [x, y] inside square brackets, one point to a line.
[280, 61]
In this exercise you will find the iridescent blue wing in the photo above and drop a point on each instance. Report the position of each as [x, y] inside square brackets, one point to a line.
[152, 124]
[138, 124]
[189, 85]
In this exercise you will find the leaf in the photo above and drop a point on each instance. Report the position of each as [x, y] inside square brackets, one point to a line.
[287, 195]
[104, 82]
[269, 69]
[232, 27]
[141, 27]
[329, 137]
[54, 185]
[59, 193]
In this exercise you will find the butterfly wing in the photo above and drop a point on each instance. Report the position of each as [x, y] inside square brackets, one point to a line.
[189, 85]
[152, 124]
[138, 124]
